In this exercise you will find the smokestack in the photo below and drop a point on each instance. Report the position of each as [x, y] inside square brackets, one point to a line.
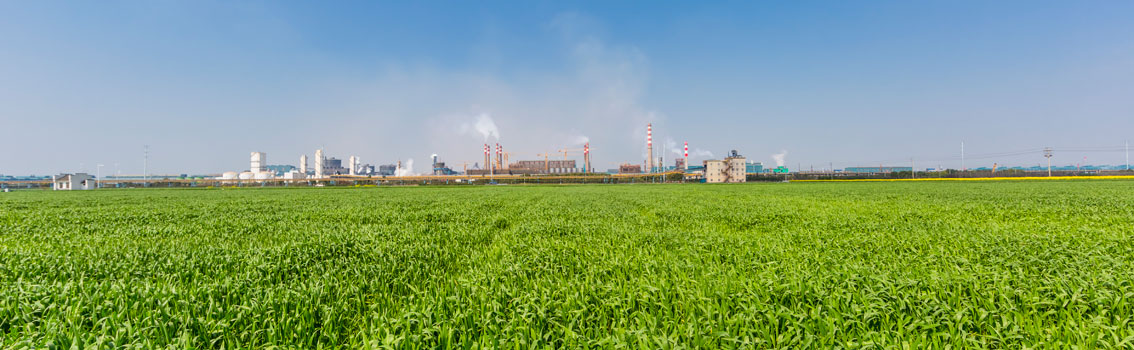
[587, 158]
[499, 156]
[686, 156]
[303, 164]
[319, 163]
[353, 163]
[650, 148]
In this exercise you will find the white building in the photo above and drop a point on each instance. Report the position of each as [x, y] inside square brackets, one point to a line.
[77, 181]
[294, 175]
[319, 163]
[259, 162]
[731, 169]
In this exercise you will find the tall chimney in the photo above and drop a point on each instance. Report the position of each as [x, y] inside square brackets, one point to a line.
[303, 164]
[686, 156]
[587, 158]
[650, 148]
[487, 162]
[499, 156]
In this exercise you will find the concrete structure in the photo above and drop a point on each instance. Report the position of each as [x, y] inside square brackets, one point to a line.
[77, 181]
[319, 164]
[729, 170]
[303, 164]
[352, 163]
[259, 162]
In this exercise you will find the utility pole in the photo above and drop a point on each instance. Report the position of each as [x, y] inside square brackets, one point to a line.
[1127, 155]
[146, 166]
[962, 155]
[1047, 154]
[98, 176]
[913, 171]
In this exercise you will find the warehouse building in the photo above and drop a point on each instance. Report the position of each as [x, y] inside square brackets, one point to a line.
[876, 169]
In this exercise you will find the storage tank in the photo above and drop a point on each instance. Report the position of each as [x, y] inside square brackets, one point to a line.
[247, 175]
[229, 175]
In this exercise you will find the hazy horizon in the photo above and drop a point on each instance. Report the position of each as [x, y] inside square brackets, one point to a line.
[829, 83]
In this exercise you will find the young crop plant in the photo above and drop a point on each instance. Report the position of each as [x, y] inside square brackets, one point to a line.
[862, 265]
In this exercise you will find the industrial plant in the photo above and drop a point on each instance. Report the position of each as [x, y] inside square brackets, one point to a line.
[502, 165]
[498, 162]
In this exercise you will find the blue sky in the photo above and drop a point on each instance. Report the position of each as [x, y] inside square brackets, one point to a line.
[849, 83]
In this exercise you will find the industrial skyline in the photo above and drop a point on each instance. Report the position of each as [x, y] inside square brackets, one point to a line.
[810, 85]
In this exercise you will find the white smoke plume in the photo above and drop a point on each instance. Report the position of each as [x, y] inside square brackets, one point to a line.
[679, 150]
[405, 171]
[580, 140]
[779, 157]
[483, 125]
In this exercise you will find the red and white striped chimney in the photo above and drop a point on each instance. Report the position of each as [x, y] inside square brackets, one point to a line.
[650, 148]
[686, 155]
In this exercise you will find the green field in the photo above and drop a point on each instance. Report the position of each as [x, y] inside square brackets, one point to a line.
[819, 265]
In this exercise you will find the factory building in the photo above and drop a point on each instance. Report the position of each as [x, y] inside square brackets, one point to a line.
[279, 170]
[439, 168]
[387, 169]
[630, 169]
[729, 170]
[77, 181]
[754, 167]
[544, 167]
[334, 166]
[876, 169]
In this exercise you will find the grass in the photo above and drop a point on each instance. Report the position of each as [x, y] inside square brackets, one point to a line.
[809, 265]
